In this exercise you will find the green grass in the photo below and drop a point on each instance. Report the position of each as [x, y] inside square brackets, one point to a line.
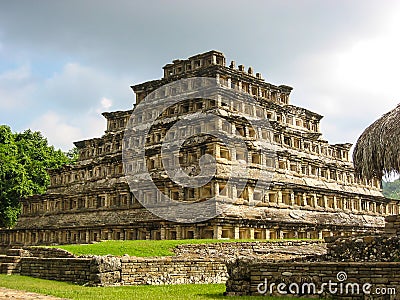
[142, 292]
[141, 248]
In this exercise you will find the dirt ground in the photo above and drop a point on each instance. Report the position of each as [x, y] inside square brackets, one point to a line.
[21, 295]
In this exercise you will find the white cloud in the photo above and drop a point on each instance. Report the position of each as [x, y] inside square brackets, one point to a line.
[56, 129]
[15, 87]
[74, 99]
[21, 73]
[62, 130]
[106, 103]
[354, 85]
[80, 88]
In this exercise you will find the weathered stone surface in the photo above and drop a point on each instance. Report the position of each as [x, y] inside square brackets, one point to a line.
[392, 225]
[106, 263]
[239, 277]
[174, 270]
[263, 250]
[365, 248]
[63, 269]
[105, 271]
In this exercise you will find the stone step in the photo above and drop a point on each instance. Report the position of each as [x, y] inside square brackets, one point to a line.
[9, 259]
[9, 268]
[17, 252]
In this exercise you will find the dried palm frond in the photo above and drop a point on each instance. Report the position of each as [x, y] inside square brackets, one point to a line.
[377, 151]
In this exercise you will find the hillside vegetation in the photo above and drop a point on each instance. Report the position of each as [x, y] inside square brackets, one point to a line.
[391, 189]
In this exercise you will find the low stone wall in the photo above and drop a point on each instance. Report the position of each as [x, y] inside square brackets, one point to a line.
[365, 248]
[109, 270]
[77, 270]
[37, 251]
[172, 270]
[372, 248]
[224, 251]
[392, 225]
[299, 278]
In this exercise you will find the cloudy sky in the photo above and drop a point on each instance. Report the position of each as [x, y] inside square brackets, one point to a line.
[62, 63]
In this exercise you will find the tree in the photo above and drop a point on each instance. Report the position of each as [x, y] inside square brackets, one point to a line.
[391, 189]
[24, 160]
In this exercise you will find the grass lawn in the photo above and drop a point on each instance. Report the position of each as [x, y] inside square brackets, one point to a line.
[141, 248]
[142, 292]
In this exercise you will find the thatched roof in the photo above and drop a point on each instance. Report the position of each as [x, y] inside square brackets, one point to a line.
[377, 151]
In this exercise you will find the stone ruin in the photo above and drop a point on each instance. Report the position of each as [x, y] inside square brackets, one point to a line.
[354, 267]
[311, 192]
[190, 264]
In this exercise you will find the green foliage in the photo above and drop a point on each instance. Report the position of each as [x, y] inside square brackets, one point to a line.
[11, 216]
[24, 160]
[73, 155]
[140, 248]
[141, 292]
[391, 189]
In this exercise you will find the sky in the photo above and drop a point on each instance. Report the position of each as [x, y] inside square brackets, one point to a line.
[62, 63]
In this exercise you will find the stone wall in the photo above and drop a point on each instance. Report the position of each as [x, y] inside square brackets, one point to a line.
[392, 225]
[109, 270]
[171, 270]
[253, 278]
[77, 270]
[231, 250]
[365, 248]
